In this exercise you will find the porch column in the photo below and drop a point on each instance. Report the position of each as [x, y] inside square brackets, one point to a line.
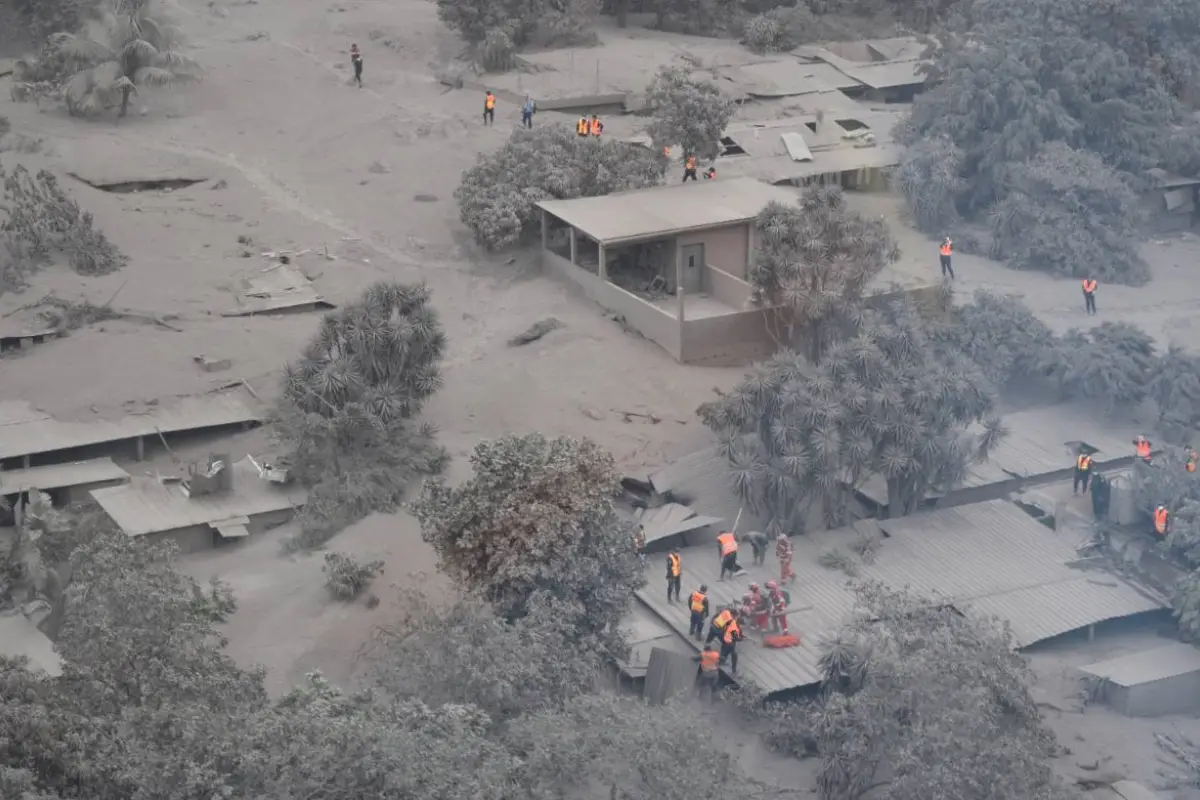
[749, 249]
[603, 266]
[679, 278]
[545, 231]
[573, 261]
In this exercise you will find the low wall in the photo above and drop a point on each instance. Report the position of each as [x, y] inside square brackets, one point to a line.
[655, 324]
[733, 292]
[727, 340]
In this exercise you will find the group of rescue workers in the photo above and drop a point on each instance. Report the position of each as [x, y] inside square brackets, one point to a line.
[762, 611]
[1143, 451]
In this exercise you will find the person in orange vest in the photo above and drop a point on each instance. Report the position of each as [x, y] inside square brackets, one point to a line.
[674, 575]
[716, 628]
[727, 547]
[582, 128]
[1190, 466]
[698, 605]
[1141, 448]
[944, 253]
[689, 169]
[595, 127]
[779, 600]
[709, 673]
[357, 62]
[1083, 472]
[667, 153]
[732, 635]
[489, 108]
[1162, 520]
[1089, 296]
[783, 551]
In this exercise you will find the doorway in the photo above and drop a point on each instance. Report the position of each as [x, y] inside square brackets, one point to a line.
[693, 260]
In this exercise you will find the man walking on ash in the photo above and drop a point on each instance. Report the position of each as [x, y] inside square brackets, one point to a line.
[357, 61]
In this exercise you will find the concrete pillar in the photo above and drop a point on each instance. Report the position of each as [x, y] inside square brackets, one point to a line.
[1091, 633]
[140, 443]
[749, 249]
[573, 246]
[679, 278]
[25, 461]
[545, 231]
[603, 266]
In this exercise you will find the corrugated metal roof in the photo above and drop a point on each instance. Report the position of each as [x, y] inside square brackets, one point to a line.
[1173, 658]
[903, 71]
[646, 632]
[278, 289]
[20, 637]
[26, 431]
[147, 506]
[1129, 790]
[666, 210]
[990, 558]
[61, 476]
[788, 78]
[702, 479]
[672, 519]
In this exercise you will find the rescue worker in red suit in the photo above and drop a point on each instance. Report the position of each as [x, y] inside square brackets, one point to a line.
[779, 604]
[783, 551]
[761, 607]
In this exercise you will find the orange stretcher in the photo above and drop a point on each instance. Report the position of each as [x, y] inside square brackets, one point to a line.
[779, 640]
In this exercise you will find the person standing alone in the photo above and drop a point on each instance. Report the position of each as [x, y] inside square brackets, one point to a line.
[674, 575]
[1089, 296]
[489, 108]
[944, 253]
[357, 62]
[527, 112]
[1083, 472]
[689, 169]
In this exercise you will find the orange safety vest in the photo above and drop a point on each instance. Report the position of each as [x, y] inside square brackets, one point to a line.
[490, 101]
[673, 566]
[1191, 462]
[697, 602]
[597, 127]
[1143, 449]
[1083, 463]
[1160, 520]
[691, 162]
[728, 543]
[721, 620]
[1089, 286]
[667, 152]
[732, 631]
[710, 660]
[581, 127]
[947, 249]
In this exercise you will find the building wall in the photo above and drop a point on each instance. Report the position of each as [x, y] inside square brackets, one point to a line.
[194, 539]
[725, 247]
[728, 339]
[731, 291]
[79, 494]
[655, 324]
[1179, 694]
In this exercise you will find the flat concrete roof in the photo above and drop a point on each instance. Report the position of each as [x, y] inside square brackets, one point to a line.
[1173, 658]
[61, 476]
[666, 210]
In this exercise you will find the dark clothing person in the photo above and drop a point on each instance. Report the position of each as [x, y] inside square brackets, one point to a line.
[356, 60]
[698, 606]
[1089, 296]
[489, 109]
[758, 543]
[689, 169]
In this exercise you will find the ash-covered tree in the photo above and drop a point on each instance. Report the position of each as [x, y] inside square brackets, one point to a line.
[812, 264]
[40, 18]
[348, 407]
[1113, 363]
[886, 402]
[1061, 190]
[521, 22]
[922, 702]
[688, 111]
[536, 522]
[136, 46]
[1001, 335]
[496, 198]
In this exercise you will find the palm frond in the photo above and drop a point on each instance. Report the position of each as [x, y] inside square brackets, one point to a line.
[82, 50]
[154, 76]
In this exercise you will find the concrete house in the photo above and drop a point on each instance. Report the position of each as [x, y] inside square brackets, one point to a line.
[671, 260]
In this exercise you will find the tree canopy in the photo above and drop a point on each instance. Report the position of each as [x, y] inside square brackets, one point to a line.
[886, 402]
[497, 196]
[688, 112]
[813, 262]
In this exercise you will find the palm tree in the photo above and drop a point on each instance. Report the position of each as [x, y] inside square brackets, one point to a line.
[134, 48]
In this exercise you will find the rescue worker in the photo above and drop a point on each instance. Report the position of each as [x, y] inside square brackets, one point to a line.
[698, 605]
[595, 127]
[1083, 472]
[783, 551]
[1141, 448]
[489, 108]
[528, 109]
[716, 628]
[710, 174]
[709, 673]
[1162, 521]
[1190, 466]
[582, 128]
[1089, 296]
[639, 541]
[357, 62]
[758, 543]
[689, 169]
[746, 610]
[778, 600]
[667, 153]
[732, 635]
[945, 252]
[674, 575]
[761, 608]
[727, 546]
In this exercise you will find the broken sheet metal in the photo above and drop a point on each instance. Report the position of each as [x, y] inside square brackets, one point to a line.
[281, 288]
[672, 519]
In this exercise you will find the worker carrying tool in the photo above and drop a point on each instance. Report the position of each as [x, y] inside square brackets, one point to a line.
[674, 575]
[1162, 521]
[716, 629]
[733, 635]
[709, 672]
[1141, 448]
[698, 605]
[727, 546]
[1083, 472]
